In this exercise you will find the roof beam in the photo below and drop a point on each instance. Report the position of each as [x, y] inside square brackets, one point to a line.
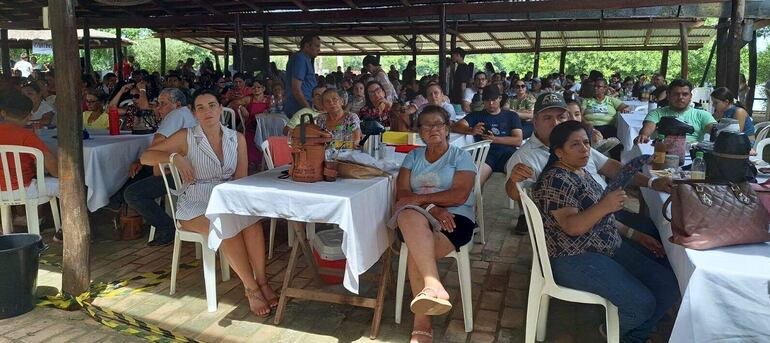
[353, 44]
[468, 43]
[163, 6]
[647, 37]
[529, 39]
[351, 4]
[375, 42]
[208, 7]
[496, 40]
[301, 5]
[251, 5]
[406, 3]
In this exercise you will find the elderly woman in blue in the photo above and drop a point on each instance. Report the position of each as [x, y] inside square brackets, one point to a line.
[438, 180]
[205, 156]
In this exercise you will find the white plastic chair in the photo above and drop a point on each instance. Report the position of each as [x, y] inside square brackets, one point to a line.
[463, 271]
[761, 135]
[478, 153]
[760, 126]
[761, 147]
[228, 115]
[702, 95]
[209, 256]
[542, 285]
[20, 196]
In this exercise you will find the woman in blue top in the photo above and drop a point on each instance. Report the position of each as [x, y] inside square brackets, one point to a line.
[583, 243]
[724, 107]
[439, 178]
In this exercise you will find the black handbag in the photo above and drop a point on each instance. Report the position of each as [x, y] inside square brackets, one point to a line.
[729, 160]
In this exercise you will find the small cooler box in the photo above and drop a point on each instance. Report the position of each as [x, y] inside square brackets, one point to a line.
[327, 251]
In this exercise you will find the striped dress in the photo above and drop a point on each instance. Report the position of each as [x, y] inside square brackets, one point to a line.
[209, 171]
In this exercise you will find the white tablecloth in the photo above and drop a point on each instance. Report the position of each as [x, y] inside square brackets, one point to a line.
[629, 125]
[725, 291]
[637, 104]
[359, 207]
[105, 160]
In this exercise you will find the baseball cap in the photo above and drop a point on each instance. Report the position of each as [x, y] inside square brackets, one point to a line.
[491, 92]
[371, 59]
[550, 100]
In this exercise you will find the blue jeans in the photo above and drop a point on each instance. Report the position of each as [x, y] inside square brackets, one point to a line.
[141, 195]
[642, 289]
[642, 224]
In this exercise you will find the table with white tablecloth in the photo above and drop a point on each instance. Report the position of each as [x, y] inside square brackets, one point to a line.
[629, 125]
[106, 160]
[637, 105]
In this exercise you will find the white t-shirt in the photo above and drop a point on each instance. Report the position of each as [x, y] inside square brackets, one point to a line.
[44, 108]
[535, 155]
[180, 118]
[24, 66]
[468, 94]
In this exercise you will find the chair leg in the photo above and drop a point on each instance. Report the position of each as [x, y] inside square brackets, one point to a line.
[224, 266]
[291, 234]
[613, 323]
[542, 318]
[175, 263]
[464, 272]
[55, 213]
[402, 256]
[198, 250]
[536, 283]
[7, 219]
[152, 234]
[310, 231]
[480, 217]
[33, 221]
[273, 222]
[210, 278]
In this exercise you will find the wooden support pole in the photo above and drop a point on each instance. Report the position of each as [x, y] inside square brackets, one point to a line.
[562, 61]
[664, 63]
[536, 67]
[708, 64]
[266, 47]
[76, 270]
[163, 58]
[721, 43]
[227, 55]
[735, 42]
[217, 66]
[87, 46]
[5, 52]
[239, 42]
[442, 67]
[119, 54]
[752, 73]
[414, 49]
[685, 72]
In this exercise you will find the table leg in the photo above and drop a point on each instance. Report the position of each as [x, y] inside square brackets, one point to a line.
[299, 235]
[381, 289]
[287, 277]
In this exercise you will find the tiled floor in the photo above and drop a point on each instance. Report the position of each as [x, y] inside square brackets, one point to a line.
[500, 276]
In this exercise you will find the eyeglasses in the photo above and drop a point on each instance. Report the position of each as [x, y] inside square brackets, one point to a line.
[428, 127]
[521, 86]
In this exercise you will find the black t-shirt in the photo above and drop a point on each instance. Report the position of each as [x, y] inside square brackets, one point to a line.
[463, 73]
[500, 124]
[657, 92]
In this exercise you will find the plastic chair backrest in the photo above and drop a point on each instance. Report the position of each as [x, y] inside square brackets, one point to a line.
[280, 152]
[702, 95]
[536, 235]
[19, 196]
[759, 126]
[269, 124]
[763, 133]
[164, 167]
[478, 151]
[228, 114]
[267, 156]
[761, 146]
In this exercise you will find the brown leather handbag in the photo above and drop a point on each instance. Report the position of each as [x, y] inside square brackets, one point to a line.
[131, 225]
[707, 215]
[308, 147]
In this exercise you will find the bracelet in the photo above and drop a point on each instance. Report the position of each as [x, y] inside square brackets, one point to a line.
[649, 182]
[171, 157]
[630, 233]
[429, 207]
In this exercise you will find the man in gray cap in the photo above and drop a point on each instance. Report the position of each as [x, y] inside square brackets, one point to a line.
[372, 64]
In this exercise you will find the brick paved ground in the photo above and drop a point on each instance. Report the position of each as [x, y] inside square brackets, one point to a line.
[500, 275]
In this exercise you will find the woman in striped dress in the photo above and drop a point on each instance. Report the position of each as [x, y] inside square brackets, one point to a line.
[205, 156]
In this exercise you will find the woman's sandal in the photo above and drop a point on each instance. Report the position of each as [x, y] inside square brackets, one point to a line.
[272, 302]
[255, 294]
[429, 304]
[428, 334]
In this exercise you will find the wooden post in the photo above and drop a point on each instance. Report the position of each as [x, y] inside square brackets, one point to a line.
[266, 47]
[708, 64]
[734, 43]
[414, 49]
[442, 51]
[562, 61]
[227, 55]
[76, 270]
[87, 46]
[163, 58]
[239, 41]
[217, 66]
[685, 73]
[721, 41]
[664, 63]
[536, 67]
[752, 73]
[5, 52]
[119, 54]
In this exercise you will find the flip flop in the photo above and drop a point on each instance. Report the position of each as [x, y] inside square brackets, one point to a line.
[428, 304]
[423, 333]
[255, 294]
[272, 302]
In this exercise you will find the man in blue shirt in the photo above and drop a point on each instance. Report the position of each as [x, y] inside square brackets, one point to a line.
[502, 127]
[300, 76]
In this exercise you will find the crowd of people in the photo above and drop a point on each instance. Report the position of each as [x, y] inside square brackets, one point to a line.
[556, 135]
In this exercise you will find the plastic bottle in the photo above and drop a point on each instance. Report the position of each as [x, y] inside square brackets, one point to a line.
[659, 158]
[698, 171]
[114, 120]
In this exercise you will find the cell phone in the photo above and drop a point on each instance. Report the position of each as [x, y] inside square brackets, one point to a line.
[487, 131]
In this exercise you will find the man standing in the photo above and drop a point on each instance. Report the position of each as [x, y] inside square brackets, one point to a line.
[372, 65]
[679, 97]
[500, 126]
[300, 75]
[147, 185]
[314, 111]
[23, 65]
[461, 79]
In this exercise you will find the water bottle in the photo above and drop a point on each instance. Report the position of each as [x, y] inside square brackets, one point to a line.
[698, 171]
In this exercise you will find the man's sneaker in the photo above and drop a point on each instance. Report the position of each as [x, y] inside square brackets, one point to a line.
[161, 239]
[58, 236]
[605, 145]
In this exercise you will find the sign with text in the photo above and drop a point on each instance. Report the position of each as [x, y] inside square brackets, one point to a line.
[42, 48]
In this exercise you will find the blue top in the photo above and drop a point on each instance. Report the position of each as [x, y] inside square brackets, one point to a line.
[427, 178]
[500, 124]
[300, 67]
[748, 126]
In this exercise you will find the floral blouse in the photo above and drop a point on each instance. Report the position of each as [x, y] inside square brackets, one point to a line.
[382, 116]
[558, 188]
[343, 132]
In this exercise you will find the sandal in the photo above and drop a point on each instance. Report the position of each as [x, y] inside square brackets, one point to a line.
[273, 301]
[255, 294]
[429, 304]
[428, 334]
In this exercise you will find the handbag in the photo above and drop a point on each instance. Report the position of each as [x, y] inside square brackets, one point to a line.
[308, 150]
[707, 215]
[131, 225]
[729, 160]
[352, 170]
